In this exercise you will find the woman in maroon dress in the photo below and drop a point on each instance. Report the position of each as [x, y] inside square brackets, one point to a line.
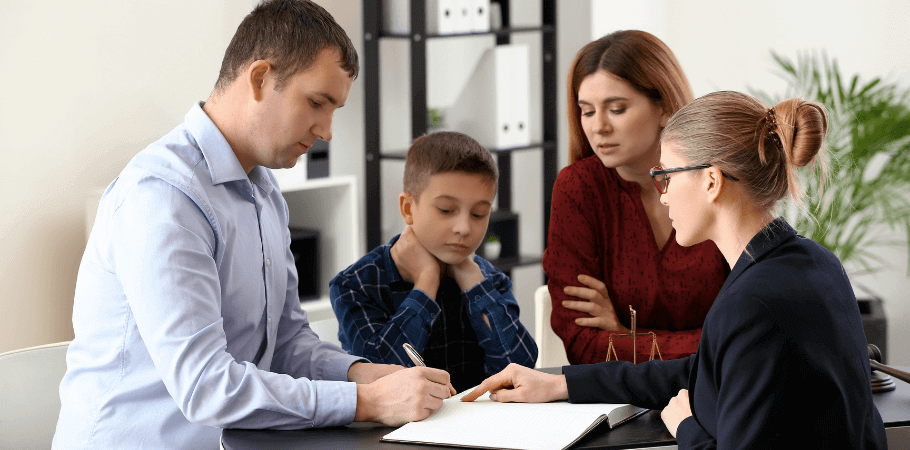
[610, 240]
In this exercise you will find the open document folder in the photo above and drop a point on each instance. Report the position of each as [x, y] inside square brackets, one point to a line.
[484, 423]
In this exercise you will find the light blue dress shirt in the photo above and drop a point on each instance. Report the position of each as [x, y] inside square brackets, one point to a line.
[186, 313]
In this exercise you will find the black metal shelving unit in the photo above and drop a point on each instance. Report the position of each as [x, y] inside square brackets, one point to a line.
[372, 33]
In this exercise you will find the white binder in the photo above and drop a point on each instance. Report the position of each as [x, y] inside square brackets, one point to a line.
[493, 107]
[440, 16]
[520, 93]
[464, 18]
[480, 13]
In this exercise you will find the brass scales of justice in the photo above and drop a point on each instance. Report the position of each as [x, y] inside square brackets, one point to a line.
[634, 337]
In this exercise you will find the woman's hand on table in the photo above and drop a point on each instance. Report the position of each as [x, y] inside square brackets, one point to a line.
[517, 383]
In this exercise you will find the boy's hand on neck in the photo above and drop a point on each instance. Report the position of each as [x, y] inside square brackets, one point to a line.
[416, 264]
[466, 273]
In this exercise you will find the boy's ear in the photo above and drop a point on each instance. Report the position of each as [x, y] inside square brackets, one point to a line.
[406, 205]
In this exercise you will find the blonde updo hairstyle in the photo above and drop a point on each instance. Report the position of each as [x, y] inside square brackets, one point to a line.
[761, 147]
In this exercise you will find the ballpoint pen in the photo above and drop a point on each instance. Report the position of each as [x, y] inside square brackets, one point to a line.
[418, 361]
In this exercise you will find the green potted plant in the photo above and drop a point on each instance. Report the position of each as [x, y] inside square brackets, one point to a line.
[867, 181]
[434, 118]
[492, 247]
[868, 177]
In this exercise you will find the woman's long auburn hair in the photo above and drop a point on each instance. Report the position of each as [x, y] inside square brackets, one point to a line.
[638, 57]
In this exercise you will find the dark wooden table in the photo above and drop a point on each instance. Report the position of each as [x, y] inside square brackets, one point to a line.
[645, 431]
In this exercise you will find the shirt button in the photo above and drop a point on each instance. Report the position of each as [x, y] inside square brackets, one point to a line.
[268, 262]
[476, 297]
[270, 320]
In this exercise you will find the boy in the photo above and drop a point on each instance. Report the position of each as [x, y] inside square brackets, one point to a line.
[426, 287]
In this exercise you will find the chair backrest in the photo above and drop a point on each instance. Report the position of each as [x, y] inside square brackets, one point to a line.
[550, 349]
[327, 329]
[30, 395]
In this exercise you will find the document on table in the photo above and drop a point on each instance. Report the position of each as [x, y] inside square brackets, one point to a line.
[484, 423]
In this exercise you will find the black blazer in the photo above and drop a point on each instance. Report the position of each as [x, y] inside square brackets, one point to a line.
[782, 361]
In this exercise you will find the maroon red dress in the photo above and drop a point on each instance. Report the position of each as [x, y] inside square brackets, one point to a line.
[598, 227]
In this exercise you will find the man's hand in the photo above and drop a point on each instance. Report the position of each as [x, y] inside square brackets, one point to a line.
[520, 384]
[366, 373]
[404, 396]
[416, 264]
[677, 411]
[598, 305]
[466, 273]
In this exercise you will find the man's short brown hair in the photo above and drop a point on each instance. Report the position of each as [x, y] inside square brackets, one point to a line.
[289, 34]
[443, 152]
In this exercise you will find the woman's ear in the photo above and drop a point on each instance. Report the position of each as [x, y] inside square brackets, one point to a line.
[665, 117]
[257, 74]
[406, 206]
[714, 183]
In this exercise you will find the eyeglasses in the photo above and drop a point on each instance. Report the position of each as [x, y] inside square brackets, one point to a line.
[663, 182]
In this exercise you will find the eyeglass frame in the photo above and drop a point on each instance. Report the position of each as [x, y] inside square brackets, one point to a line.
[657, 170]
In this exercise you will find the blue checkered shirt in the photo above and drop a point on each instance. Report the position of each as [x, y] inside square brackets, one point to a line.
[378, 312]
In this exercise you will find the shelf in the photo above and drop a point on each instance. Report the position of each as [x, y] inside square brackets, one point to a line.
[316, 183]
[418, 49]
[507, 264]
[328, 205]
[401, 154]
[318, 308]
[499, 32]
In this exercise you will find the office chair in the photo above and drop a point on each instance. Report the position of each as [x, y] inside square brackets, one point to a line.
[30, 395]
[550, 350]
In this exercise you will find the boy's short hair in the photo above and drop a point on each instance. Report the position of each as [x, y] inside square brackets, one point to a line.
[289, 34]
[443, 152]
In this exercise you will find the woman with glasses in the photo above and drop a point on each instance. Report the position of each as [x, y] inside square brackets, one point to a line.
[610, 243]
[783, 361]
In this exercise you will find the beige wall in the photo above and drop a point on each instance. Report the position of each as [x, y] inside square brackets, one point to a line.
[86, 85]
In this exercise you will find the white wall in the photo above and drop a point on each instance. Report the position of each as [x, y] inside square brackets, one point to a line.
[88, 85]
[724, 45]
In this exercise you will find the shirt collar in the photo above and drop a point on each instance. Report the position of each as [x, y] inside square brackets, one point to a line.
[390, 268]
[770, 237]
[222, 162]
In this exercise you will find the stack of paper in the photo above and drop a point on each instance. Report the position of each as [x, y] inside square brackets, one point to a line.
[488, 424]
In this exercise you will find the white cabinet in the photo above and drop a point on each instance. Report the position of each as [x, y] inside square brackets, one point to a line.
[330, 206]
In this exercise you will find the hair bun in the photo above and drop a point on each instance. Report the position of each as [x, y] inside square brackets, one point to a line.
[801, 127]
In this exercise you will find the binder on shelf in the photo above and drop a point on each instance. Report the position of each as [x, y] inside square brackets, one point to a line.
[480, 15]
[440, 16]
[464, 18]
[493, 106]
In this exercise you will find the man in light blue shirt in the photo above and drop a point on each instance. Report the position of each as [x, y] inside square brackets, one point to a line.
[186, 313]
